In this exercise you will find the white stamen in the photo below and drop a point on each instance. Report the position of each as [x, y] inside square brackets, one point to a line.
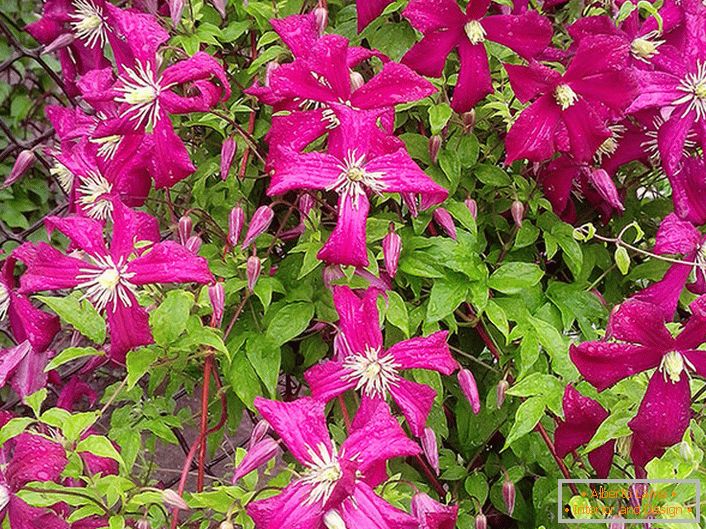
[323, 473]
[646, 47]
[694, 86]
[93, 187]
[88, 23]
[108, 145]
[475, 32]
[374, 374]
[107, 282]
[354, 179]
[4, 497]
[141, 89]
[63, 175]
[610, 145]
[651, 146]
[565, 96]
[672, 366]
[4, 301]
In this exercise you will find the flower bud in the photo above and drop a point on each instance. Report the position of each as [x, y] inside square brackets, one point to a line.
[425, 509]
[253, 269]
[24, 161]
[500, 392]
[236, 219]
[217, 295]
[59, 43]
[269, 71]
[172, 499]
[356, 81]
[143, 523]
[443, 218]
[220, 6]
[410, 200]
[431, 448]
[257, 456]
[481, 521]
[517, 210]
[321, 14]
[175, 9]
[469, 120]
[333, 520]
[391, 248]
[306, 204]
[258, 433]
[472, 206]
[228, 149]
[605, 186]
[184, 229]
[469, 388]
[509, 495]
[193, 244]
[434, 146]
[617, 523]
[261, 220]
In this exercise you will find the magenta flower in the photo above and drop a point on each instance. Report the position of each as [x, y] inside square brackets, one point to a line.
[431, 514]
[569, 111]
[336, 482]
[353, 170]
[111, 279]
[445, 27]
[369, 10]
[363, 364]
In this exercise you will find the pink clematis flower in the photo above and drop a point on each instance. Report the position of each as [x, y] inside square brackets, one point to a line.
[337, 481]
[112, 278]
[353, 169]
[640, 342]
[433, 515]
[569, 111]
[363, 363]
[445, 27]
[369, 10]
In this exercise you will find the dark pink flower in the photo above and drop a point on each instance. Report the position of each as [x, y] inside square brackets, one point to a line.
[336, 481]
[112, 278]
[445, 27]
[363, 363]
[369, 10]
[431, 514]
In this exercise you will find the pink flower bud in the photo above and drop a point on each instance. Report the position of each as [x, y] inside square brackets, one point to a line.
[24, 161]
[410, 199]
[184, 229]
[194, 244]
[269, 71]
[172, 499]
[356, 81]
[443, 218]
[220, 6]
[236, 219]
[258, 433]
[261, 220]
[434, 146]
[500, 392]
[469, 389]
[253, 269]
[217, 295]
[391, 248]
[430, 513]
[517, 210]
[481, 521]
[257, 456]
[472, 206]
[431, 448]
[332, 273]
[617, 523]
[228, 149]
[509, 495]
[59, 43]
[605, 186]
[469, 120]
[306, 204]
[143, 523]
[321, 14]
[175, 9]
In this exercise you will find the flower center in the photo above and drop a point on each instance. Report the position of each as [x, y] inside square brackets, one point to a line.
[87, 22]
[107, 283]
[672, 366]
[694, 86]
[645, 48]
[475, 32]
[92, 193]
[333, 520]
[323, 473]
[140, 90]
[108, 145]
[4, 301]
[4, 497]
[354, 179]
[63, 176]
[565, 96]
[374, 374]
[610, 145]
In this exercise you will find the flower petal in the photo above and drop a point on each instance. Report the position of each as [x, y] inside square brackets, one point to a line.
[432, 15]
[23, 516]
[671, 138]
[676, 237]
[290, 509]
[47, 268]
[369, 10]
[366, 510]
[358, 319]
[129, 327]
[532, 134]
[169, 262]
[35, 458]
[642, 323]
[171, 162]
[527, 34]
[29, 323]
[604, 363]
[84, 233]
[586, 129]
[415, 401]
[395, 84]
[474, 81]
[428, 56]
[347, 243]
[530, 81]
[429, 352]
[311, 170]
[298, 32]
[327, 380]
[689, 188]
[665, 293]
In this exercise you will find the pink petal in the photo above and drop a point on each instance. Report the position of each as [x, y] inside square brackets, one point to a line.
[129, 227]
[586, 130]
[432, 514]
[199, 67]
[327, 380]
[689, 181]
[24, 516]
[35, 458]
[129, 328]
[311, 170]
[369, 10]
[396, 83]
[309, 126]
[29, 323]
[676, 237]
[415, 401]
[429, 352]
[641, 323]
[298, 32]
[596, 56]
[474, 82]
[600, 88]
[605, 186]
[73, 391]
[431, 15]
[532, 134]
[47, 268]
[347, 243]
[359, 319]
[171, 162]
[558, 181]
[477, 8]
[366, 510]
[169, 262]
[133, 35]
[527, 34]
[84, 233]
[291, 508]
[428, 56]
[530, 81]
[11, 358]
[665, 293]
[29, 375]
[657, 89]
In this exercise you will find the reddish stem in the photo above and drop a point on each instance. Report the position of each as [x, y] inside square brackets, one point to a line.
[559, 461]
[204, 421]
[426, 470]
[344, 411]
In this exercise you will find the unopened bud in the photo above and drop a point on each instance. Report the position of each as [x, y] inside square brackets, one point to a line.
[391, 248]
[356, 81]
[220, 6]
[481, 521]
[469, 388]
[217, 295]
[472, 206]
[509, 495]
[193, 244]
[236, 219]
[184, 229]
[143, 523]
[269, 71]
[469, 120]
[434, 146]
[517, 210]
[333, 520]
[617, 523]
[172, 499]
[228, 149]
[176, 7]
[500, 392]
[261, 220]
[430, 448]
[443, 218]
[321, 14]
[410, 199]
[59, 43]
[24, 161]
[306, 204]
[332, 273]
[253, 269]
[258, 433]
[257, 456]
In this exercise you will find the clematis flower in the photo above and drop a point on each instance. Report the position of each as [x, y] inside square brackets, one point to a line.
[445, 27]
[353, 169]
[369, 10]
[431, 514]
[336, 481]
[569, 111]
[640, 341]
[582, 417]
[111, 279]
[365, 365]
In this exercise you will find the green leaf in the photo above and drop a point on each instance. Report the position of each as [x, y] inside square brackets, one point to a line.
[614, 427]
[439, 116]
[511, 278]
[527, 416]
[13, 428]
[35, 400]
[397, 312]
[78, 313]
[492, 175]
[622, 260]
[101, 446]
[244, 380]
[169, 320]
[265, 356]
[446, 295]
[290, 321]
[138, 363]
[69, 354]
[476, 485]
[497, 316]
